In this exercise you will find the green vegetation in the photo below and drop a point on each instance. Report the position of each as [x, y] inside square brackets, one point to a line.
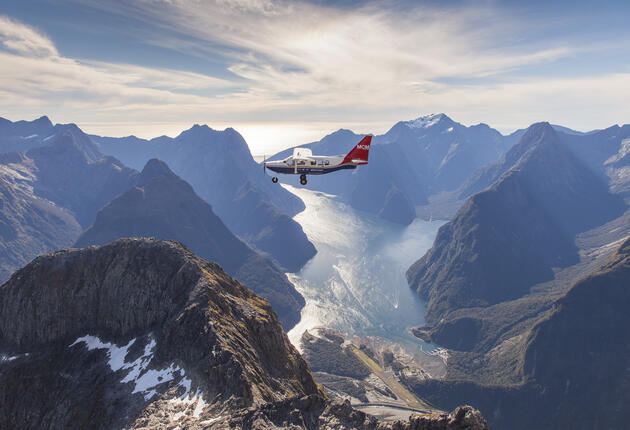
[325, 355]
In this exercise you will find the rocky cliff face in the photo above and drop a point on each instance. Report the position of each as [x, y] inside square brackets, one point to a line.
[580, 353]
[149, 314]
[163, 206]
[220, 168]
[142, 333]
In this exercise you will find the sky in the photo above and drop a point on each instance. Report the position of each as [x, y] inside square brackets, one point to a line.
[285, 73]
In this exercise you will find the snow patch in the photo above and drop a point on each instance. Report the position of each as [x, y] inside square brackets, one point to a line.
[196, 399]
[47, 138]
[30, 137]
[145, 380]
[210, 421]
[115, 353]
[424, 121]
[4, 357]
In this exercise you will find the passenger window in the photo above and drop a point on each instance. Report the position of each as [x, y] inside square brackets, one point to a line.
[313, 163]
[327, 162]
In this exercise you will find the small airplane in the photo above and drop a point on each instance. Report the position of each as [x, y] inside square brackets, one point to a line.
[303, 162]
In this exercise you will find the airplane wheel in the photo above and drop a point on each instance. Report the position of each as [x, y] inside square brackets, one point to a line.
[303, 179]
[274, 179]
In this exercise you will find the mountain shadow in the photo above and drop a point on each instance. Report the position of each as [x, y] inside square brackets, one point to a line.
[163, 206]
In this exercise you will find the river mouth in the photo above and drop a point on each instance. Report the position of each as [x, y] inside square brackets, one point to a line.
[356, 282]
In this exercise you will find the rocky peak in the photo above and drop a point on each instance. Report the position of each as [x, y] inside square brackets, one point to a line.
[155, 168]
[141, 333]
[226, 341]
[428, 121]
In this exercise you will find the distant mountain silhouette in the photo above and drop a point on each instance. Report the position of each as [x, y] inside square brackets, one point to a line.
[220, 168]
[51, 193]
[29, 224]
[20, 136]
[163, 206]
[443, 152]
[412, 161]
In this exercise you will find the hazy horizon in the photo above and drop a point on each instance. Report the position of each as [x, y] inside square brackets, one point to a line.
[286, 73]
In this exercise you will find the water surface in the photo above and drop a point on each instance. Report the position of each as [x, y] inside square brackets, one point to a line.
[356, 283]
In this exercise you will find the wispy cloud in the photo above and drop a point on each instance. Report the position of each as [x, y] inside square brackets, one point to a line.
[302, 62]
[24, 40]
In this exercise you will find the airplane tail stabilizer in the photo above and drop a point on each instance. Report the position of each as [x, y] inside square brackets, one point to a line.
[359, 153]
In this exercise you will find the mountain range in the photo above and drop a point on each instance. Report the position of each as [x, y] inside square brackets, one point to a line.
[220, 168]
[142, 333]
[162, 205]
[525, 285]
[414, 160]
[526, 276]
[52, 193]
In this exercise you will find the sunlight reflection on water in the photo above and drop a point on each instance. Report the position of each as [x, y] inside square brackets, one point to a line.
[356, 283]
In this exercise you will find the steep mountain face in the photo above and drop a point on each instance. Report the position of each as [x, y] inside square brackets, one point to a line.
[138, 321]
[594, 150]
[580, 353]
[29, 224]
[220, 168]
[49, 194]
[20, 136]
[571, 362]
[143, 334]
[67, 177]
[163, 206]
[442, 152]
[509, 237]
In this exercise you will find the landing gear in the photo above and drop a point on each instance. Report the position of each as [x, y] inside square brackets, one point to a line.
[303, 179]
[274, 179]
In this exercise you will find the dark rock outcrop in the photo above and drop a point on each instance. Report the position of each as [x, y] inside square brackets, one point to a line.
[142, 333]
[163, 206]
[220, 168]
[316, 413]
[224, 340]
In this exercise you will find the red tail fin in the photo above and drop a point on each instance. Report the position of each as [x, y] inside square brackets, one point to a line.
[359, 153]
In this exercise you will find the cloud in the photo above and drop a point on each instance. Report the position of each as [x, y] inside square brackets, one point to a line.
[297, 52]
[25, 40]
[296, 62]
